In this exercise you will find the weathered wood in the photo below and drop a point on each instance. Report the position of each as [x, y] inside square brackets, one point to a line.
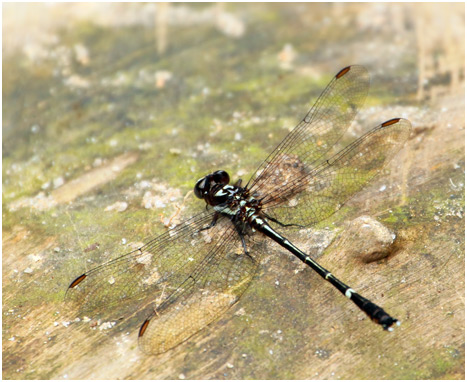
[290, 323]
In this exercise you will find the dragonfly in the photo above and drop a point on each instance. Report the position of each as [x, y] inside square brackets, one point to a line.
[190, 275]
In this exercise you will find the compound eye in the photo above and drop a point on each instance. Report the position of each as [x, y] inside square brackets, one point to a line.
[200, 187]
[221, 177]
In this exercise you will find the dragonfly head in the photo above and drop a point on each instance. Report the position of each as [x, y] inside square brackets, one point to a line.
[210, 184]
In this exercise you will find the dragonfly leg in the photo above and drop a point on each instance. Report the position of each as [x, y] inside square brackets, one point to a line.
[212, 224]
[280, 223]
[242, 238]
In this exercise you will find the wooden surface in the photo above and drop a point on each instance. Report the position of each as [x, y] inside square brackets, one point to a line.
[289, 324]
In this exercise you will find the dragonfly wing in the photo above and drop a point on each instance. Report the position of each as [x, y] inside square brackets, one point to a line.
[151, 271]
[321, 128]
[217, 283]
[313, 195]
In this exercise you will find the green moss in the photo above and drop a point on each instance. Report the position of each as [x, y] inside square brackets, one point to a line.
[438, 203]
[214, 77]
[442, 365]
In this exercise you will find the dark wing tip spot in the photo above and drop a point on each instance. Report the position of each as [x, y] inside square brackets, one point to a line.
[77, 281]
[391, 122]
[343, 72]
[143, 328]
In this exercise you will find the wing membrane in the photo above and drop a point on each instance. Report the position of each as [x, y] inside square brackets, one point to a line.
[313, 195]
[321, 128]
[217, 283]
[152, 271]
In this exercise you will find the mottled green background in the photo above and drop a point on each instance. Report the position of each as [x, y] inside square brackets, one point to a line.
[103, 103]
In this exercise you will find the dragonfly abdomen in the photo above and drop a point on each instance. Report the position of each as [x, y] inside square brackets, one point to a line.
[373, 311]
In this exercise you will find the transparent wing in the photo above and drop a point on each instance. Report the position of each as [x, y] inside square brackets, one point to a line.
[310, 196]
[217, 283]
[321, 128]
[153, 271]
